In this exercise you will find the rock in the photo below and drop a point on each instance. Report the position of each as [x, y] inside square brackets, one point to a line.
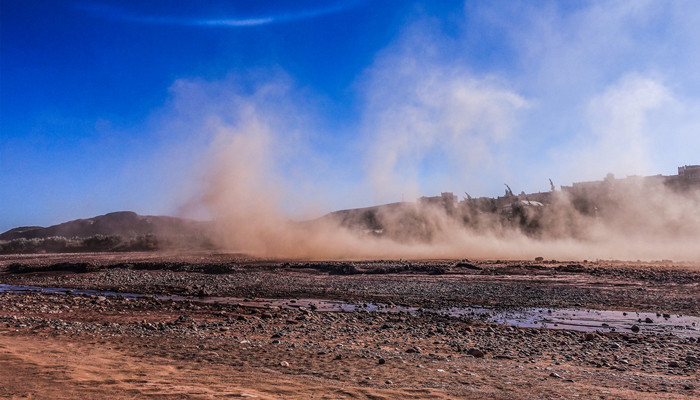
[589, 336]
[648, 320]
[381, 361]
[476, 353]
[555, 375]
[413, 350]
[503, 357]
[674, 364]
[539, 259]
[284, 364]
[635, 328]
[467, 265]
[388, 382]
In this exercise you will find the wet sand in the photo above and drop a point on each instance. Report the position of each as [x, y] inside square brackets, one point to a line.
[271, 343]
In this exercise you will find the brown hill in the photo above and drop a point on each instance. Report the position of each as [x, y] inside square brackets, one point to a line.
[125, 224]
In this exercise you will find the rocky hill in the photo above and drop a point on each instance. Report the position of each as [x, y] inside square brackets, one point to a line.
[125, 224]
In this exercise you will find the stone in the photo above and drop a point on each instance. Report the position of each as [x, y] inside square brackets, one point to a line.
[413, 350]
[635, 328]
[476, 353]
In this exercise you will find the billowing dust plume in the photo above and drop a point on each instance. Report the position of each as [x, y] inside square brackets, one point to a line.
[428, 124]
[247, 192]
[632, 220]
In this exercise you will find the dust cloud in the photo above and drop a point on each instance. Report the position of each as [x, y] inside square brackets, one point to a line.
[426, 124]
[636, 220]
[247, 193]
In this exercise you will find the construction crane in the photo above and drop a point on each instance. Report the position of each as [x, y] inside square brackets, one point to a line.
[508, 191]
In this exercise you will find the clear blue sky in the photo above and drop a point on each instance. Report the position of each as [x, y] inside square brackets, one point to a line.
[108, 105]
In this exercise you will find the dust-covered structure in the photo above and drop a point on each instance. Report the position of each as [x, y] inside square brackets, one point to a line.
[593, 197]
[561, 212]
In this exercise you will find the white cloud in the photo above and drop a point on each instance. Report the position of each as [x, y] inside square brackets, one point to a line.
[613, 87]
[121, 14]
[425, 113]
[620, 137]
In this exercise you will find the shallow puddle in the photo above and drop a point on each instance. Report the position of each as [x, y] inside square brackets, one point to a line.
[562, 318]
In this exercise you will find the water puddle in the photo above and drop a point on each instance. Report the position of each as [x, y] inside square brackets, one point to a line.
[586, 320]
[85, 292]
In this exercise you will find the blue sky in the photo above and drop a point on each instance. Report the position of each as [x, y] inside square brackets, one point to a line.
[108, 106]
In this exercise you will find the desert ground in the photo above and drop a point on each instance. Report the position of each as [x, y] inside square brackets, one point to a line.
[209, 325]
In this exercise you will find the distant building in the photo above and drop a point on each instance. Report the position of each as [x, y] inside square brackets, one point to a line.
[688, 177]
[587, 197]
[691, 172]
[446, 199]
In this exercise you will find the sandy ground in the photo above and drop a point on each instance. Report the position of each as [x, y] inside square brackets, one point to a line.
[95, 346]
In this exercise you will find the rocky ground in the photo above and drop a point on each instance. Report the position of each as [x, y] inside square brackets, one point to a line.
[101, 346]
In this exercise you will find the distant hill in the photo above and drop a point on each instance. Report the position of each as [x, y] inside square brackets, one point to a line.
[368, 218]
[125, 224]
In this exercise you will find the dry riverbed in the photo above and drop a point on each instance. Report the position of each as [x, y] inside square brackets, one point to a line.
[228, 326]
